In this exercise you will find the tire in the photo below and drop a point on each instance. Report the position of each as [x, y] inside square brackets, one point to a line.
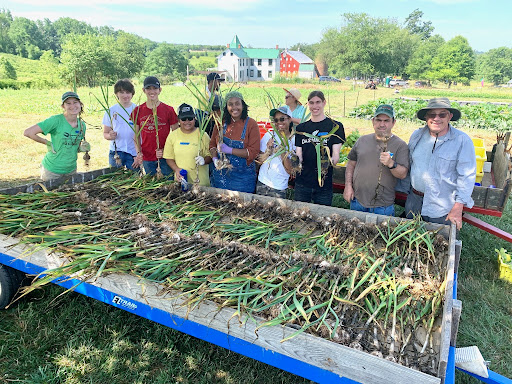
[10, 281]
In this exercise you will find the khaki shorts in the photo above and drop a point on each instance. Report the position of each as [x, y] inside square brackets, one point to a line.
[48, 175]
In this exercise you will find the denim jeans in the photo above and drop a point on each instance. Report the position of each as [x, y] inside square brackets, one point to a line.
[150, 167]
[125, 157]
[388, 211]
[265, 190]
[322, 196]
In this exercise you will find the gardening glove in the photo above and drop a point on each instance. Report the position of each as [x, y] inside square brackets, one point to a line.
[215, 161]
[199, 160]
[226, 149]
[49, 146]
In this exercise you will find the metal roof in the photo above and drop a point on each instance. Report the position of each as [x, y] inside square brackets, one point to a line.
[300, 57]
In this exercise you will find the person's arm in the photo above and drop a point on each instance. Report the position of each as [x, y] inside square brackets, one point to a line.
[348, 192]
[172, 163]
[399, 171]
[298, 152]
[455, 215]
[109, 133]
[174, 126]
[335, 155]
[33, 133]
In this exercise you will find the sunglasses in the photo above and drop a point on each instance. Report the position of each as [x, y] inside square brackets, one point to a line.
[280, 120]
[188, 118]
[442, 115]
[288, 96]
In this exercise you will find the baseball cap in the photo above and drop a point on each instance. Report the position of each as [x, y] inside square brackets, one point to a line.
[385, 109]
[214, 76]
[67, 95]
[151, 81]
[185, 110]
[283, 110]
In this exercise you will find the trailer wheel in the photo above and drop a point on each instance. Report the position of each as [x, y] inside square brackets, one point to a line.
[10, 281]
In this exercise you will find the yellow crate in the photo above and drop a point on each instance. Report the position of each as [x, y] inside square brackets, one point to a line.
[479, 177]
[505, 270]
[478, 142]
[480, 152]
[480, 165]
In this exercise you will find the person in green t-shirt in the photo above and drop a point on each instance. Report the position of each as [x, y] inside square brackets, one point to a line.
[66, 132]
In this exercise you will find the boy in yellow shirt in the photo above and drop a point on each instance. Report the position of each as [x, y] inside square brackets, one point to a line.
[184, 151]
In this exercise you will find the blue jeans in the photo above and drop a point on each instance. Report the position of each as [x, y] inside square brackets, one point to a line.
[388, 211]
[322, 196]
[150, 167]
[125, 157]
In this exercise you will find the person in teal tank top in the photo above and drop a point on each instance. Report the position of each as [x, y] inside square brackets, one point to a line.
[66, 131]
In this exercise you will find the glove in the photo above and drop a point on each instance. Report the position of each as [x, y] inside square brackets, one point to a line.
[199, 160]
[226, 149]
[49, 146]
[215, 161]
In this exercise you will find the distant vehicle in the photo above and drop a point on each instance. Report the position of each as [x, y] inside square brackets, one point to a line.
[328, 78]
[421, 84]
[398, 83]
[347, 78]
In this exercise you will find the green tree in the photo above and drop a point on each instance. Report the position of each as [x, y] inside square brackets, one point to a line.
[67, 26]
[496, 65]
[416, 26]
[421, 59]
[49, 36]
[166, 61]
[87, 59]
[26, 38]
[6, 44]
[309, 50]
[7, 71]
[128, 55]
[455, 61]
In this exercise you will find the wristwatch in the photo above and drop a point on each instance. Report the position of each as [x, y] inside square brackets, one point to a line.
[393, 166]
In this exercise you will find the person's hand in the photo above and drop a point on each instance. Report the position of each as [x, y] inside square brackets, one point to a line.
[215, 161]
[455, 215]
[137, 160]
[348, 193]
[159, 153]
[112, 135]
[226, 149]
[177, 176]
[386, 159]
[199, 160]
[270, 143]
[49, 146]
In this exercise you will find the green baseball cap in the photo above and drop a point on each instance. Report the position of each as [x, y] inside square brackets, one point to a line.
[231, 94]
[67, 95]
[385, 109]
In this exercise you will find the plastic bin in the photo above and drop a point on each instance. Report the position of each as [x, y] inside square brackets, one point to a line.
[478, 142]
[505, 270]
[479, 176]
[481, 158]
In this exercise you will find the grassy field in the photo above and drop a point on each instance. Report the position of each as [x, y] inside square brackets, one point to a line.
[73, 339]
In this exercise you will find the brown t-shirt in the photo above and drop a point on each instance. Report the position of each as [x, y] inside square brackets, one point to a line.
[234, 132]
[366, 153]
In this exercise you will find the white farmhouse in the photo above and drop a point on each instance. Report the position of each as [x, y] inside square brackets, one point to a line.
[248, 64]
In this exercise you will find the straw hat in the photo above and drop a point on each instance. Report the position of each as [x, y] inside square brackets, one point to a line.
[295, 93]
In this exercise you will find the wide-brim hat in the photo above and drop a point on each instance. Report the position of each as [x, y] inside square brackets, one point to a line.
[295, 93]
[438, 103]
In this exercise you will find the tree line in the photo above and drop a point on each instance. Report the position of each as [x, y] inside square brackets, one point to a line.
[362, 46]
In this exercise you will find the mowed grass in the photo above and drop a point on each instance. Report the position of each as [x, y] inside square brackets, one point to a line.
[74, 339]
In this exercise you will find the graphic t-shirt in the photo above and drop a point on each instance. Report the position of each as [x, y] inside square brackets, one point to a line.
[143, 117]
[65, 140]
[308, 176]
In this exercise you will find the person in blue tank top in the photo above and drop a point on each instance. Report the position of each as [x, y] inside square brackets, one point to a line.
[238, 142]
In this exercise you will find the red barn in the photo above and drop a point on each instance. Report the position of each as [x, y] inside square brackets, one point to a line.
[296, 63]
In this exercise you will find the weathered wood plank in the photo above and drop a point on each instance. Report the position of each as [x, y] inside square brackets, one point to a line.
[347, 362]
[457, 309]
[500, 165]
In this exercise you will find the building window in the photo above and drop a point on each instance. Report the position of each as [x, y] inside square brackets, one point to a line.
[259, 73]
[252, 61]
[241, 75]
[269, 74]
[231, 54]
[259, 61]
[247, 72]
[269, 61]
[252, 73]
[223, 53]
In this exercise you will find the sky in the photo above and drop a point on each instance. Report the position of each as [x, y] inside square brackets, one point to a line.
[486, 24]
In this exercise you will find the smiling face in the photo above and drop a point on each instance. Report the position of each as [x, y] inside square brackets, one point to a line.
[72, 107]
[124, 97]
[187, 125]
[282, 122]
[438, 121]
[316, 107]
[235, 108]
[152, 93]
[382, 125]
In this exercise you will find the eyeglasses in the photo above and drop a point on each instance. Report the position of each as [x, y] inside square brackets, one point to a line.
[280, 120]
[188, 118]
[441, 115]
[288, 96]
